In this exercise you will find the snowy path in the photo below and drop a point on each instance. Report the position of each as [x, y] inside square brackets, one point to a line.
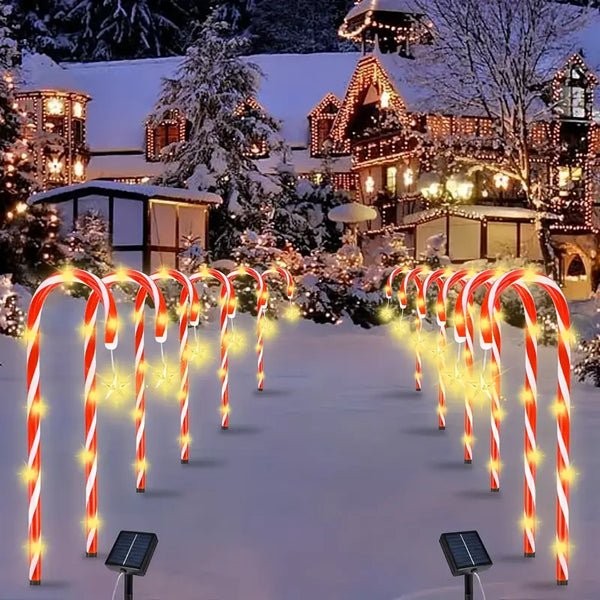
[333, 484]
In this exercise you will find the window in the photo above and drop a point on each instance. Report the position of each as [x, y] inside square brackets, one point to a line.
[390, 180]
[169, 131]
[78, 131]
[574, 95]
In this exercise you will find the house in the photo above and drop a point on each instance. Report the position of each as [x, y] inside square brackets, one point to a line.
[101, 111]
[369, 112]
[393, 126]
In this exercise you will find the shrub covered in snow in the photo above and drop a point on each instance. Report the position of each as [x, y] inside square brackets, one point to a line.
[12, 316]
[588, 365]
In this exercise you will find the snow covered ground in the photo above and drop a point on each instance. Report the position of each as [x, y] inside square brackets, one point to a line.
[333, 484]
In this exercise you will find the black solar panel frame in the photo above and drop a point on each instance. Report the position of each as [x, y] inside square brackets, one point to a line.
[479, 559]
[143, 550]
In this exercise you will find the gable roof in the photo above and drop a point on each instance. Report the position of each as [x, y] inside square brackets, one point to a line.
[125, 92]
[126, 190]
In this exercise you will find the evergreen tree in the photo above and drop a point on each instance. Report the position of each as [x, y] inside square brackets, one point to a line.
[212, 88]
[16, 166]
[114, 29]
[30, 245]
[41, 27]
[298, 26]
[89, 246]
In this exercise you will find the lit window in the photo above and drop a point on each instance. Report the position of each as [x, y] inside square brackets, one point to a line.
[369, 185]
[390, 180]
[55, 106]
[409, 177]
[77, 110]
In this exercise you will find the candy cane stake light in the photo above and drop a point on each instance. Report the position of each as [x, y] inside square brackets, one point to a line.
[464, 332]
[290, 294]
[530, 393]
[421, 314]
[161, 319]
[564, 471]
[34, 405]
[421, 309]
[261, 316]
[228, 303]
[188, 303]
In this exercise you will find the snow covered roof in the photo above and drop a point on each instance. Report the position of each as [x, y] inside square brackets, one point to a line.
[125, 92]
[126, 189]
[39, 72]
[365, 6]
[474, 211]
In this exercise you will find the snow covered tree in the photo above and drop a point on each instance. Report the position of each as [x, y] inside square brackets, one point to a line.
[114, 29]
[498, 57]
[89, 246]
[212, 88]
[588, 366]
[300, 213]
[30, 245]
[41, 27]
[434, 256]
[16, 166]
[12, 316]
[297, 26]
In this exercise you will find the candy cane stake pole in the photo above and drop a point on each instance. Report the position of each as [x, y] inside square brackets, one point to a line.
[261, 310]
[562, 407]
[451, 281]
[437, 278]
[161, 319]
[188, 303]
[227, 312]
[261, 322]
[34, 406]
[421, 314]
[464, 331]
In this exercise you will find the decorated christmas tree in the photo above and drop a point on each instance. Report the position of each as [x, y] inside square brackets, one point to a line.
[16, 167]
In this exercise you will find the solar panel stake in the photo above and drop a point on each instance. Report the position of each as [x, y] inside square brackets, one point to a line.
[128, 587]
[466, 555]
[468, 586]
[131, 555]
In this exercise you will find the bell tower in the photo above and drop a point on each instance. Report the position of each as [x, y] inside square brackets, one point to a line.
[394, 26]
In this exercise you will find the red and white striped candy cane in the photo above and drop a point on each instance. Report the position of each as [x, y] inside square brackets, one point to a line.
[464, 330]
[188, 302]
[437, 277]
[261, 310]
[563, 406]
[289, 280]
[227, 312]
[161, 320]
[34, 407]
[413, 275]
[493, 329]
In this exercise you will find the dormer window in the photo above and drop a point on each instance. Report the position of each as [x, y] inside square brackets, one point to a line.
[321, 120]
[171, 130]
[258, 146]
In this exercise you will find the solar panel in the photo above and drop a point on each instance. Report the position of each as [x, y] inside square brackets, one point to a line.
[132, 551]
[465, 552]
